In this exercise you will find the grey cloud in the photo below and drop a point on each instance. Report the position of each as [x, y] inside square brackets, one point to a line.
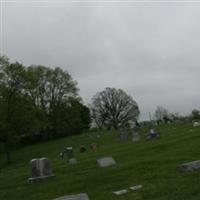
[152, 53]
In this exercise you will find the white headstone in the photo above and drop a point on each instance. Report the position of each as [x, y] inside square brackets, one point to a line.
[135, 136]
[106, 161]
[120, 192]
[195, 124]
[72, 161]
[135, 188]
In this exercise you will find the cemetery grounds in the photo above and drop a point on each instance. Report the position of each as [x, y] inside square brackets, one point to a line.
[153, 164]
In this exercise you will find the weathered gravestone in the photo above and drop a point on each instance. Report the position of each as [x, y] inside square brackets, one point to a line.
[135, 136]
[106, 161]
[70, 155]
[153, 134]
[40, 169]
[136, 187]
[196, 124]
[123, 137]
[120, 192]
[82, 196]
[191, 166]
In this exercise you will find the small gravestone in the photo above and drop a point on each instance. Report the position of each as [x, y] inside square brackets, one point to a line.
[191, 166]
[135, 136]
[123, 137]
[153, 134]
[106, 161]
[70, 155]
[120, 192]
[82, 149]
[40, 169]
[136, 188]
[93, 146]
[82, 196]
[196, 124]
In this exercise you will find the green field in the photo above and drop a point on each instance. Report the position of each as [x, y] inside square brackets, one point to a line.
[152, 164]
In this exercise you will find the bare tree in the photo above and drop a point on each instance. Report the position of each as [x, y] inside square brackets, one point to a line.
[161, 113]
[113, 108]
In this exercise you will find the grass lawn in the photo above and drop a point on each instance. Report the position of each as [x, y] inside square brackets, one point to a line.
[152, 164]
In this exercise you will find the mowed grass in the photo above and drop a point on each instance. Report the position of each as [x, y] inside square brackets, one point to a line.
[152, 164]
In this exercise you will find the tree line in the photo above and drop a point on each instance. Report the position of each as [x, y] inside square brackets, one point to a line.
[38, 103]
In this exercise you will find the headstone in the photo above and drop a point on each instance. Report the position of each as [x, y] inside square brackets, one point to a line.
[153, 134]
[82, 196]
[191, 166]
[135, 136]
[82, 149]
[120, 192]
[40, 169]
[123, 137]
[196, 124]
[72, 161]
[136, 188]
[70, 155]
[106, 161]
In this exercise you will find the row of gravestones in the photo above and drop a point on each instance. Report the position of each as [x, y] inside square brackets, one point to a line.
[70, 154]
[42, 169]
[124, 136]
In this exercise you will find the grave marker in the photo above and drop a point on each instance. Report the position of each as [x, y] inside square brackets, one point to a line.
[40, 169]
[106, 161]
[82, 196]
[191, 166]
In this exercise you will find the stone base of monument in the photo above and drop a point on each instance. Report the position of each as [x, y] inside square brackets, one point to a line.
[191, 166]
[153, 137]
[35, 179]
[72, 161]
[82, 196]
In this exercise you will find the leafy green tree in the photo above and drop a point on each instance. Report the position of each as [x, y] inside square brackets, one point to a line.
[12, 102]
[72, 117]
[38, 100]
[195, 114]
[49, 89]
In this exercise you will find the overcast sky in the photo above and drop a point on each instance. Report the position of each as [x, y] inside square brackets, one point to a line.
[152, 52]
